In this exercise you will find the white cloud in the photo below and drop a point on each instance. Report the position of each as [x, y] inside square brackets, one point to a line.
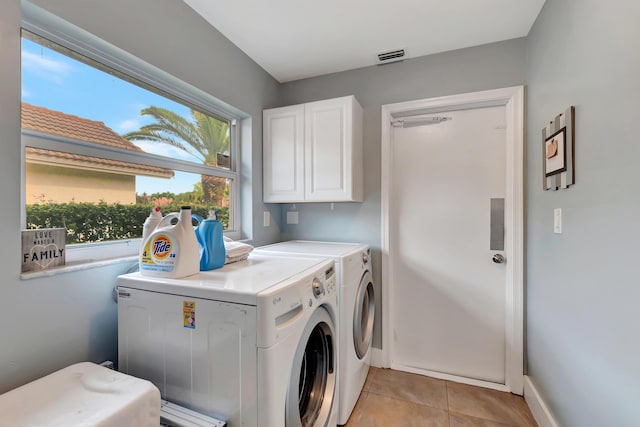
[25, 93]
[165, 150]
[128, 125]
[50, 69]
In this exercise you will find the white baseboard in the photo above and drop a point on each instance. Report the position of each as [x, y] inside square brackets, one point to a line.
[538, 408]
[377, 358]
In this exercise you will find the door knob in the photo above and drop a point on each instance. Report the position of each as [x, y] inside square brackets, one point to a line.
[498, 259]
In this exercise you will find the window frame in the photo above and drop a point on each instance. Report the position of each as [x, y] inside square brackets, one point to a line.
[51, 28]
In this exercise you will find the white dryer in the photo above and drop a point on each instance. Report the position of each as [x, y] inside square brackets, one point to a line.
[356, 310]
[253, 343]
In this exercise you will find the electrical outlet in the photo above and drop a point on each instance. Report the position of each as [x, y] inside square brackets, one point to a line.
[266, 221]
[292, 217]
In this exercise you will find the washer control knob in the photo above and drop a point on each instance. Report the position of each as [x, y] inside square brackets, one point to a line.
[317, 287]
[365, 258]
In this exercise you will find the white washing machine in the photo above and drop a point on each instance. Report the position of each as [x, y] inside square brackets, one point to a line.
[253, 343]
[356, 310]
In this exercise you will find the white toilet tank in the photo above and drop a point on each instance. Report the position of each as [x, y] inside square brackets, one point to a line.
[84, 394]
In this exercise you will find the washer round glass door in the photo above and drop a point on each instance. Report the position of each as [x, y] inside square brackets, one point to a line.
[312, 384]
[363, 314]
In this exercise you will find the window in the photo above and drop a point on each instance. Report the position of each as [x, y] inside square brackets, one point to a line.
[103, 146]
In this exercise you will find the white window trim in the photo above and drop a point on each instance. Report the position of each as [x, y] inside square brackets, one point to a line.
[45, 141]
[51, 27]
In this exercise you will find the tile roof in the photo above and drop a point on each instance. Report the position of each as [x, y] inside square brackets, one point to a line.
[49, 121]
[94, 163]
[52, 122]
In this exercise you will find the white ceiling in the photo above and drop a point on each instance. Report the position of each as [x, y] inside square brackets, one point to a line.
[294, 39]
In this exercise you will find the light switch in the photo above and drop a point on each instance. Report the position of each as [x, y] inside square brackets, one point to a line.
[266, 221]
[292, 217]
[557, 221]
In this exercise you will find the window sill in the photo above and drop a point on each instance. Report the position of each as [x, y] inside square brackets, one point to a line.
[70, 267]
[85, 256]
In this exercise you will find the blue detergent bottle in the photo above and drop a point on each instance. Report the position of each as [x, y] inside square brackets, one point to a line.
[209, 233]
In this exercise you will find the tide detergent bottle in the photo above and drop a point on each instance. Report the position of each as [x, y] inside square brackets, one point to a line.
[212, 252]
[171, 251]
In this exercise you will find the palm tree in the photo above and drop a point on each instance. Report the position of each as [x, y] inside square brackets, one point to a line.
[203, 137]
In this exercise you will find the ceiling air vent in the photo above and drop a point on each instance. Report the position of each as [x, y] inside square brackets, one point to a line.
[391, 56]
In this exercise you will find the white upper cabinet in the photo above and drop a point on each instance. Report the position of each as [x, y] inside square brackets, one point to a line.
[313, 152]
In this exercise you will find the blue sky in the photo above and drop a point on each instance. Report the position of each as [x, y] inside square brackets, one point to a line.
[57, 82]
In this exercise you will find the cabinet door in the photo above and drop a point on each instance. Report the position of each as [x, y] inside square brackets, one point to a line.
[283, 154]
[331, 150]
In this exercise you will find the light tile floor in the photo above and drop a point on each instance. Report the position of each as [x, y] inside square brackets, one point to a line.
[393, 398]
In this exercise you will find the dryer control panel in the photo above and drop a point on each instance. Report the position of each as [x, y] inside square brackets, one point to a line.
[330, 280]
[281, 307]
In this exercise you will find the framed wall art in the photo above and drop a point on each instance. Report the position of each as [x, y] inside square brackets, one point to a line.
[558, 152]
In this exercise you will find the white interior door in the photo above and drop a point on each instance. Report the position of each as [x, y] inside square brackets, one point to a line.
[448, 296]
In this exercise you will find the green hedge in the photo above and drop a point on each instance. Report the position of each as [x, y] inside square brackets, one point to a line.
[88, 222]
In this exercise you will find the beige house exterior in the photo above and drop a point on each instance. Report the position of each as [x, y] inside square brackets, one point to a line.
[58, 177]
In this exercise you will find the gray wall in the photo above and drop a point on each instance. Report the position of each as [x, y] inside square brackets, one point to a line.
[48, 323]
[583, 286]
[467, 70]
